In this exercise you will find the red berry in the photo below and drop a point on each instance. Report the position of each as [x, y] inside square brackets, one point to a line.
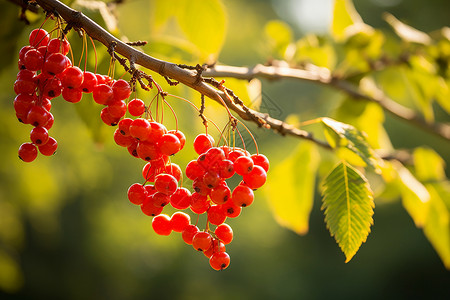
[124, 126]
[226, 169]
[180, 136]
[107, 118]
[243, 165]
[169, 144]
[194, 170]
[147, 151]
[27, 152]
[121, 139]
[202, 241]
[188, 233]
[219, 261]
[174, 170]
[23, 51]
[214, 156]
[217, 246]
[157, 130]
[235, 154]
[38, 37]
[137, 193]
[181, 199]
[224, 233]
[160, 199]
[200, 187]
[166, 184]
[256, 178]
[39, 135]
[216, 215]
[199, 203]
[24, 86]
[202, 143]
[102, 94]
[161, 224]
[72, 77]
[149, 209]
[231, 210]
[73, 96]
[89, 82]
[33, 60]
[37, 116]
[242, 196]
[50, 87]
[136, 107]
[49, 148]
[132, 149]
[121, 90]
[56, 45]
[117, 109]
[220, 194]
[140, 129]
[211, 179]
[179, 221]
[261, 160]
[55, 63]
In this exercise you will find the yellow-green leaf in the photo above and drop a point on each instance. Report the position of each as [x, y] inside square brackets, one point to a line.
[437, 228]
[415, 197]
[279, 36]
[429, 166]
[349, 137]
[348, 205]
[204, 24]
[344, 15]
[290, 190]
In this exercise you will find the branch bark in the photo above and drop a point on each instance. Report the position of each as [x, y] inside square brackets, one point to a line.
[166, 69]
[323, 76]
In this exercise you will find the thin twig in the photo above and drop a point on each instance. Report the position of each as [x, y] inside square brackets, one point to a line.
[323, 76]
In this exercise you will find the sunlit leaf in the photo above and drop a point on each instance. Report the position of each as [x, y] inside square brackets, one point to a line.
[415, 197]
[204, 24]
[406, 32]
[290, 190]
[279, 36]
[437, 227]
[344, 15]
[348, 205]
[429, 166]
[351, 138]
[315, 50]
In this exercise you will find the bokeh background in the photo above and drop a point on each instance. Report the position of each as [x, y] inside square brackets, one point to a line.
[67, 230]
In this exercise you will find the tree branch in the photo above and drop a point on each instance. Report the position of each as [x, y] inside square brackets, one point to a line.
[170, 70]
[324, 77]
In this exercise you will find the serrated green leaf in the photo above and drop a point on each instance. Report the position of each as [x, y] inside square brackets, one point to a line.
[415, 197]
[290, 190]
[204, 24]
[348, 205]
[351, 138]
[344, 15]
[437, 227]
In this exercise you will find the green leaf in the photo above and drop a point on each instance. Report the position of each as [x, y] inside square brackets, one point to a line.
[315, 50]
[437, 227]
[348, 204]
[290, 190]
[204, 24]
[415, 196]
[428, 164]
[344, 15]
[345, 135]
[279, 36]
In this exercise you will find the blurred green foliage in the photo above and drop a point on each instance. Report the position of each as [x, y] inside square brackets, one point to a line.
[67, 230]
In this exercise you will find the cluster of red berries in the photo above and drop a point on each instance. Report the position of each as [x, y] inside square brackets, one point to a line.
[211, 195]
[45, 72]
